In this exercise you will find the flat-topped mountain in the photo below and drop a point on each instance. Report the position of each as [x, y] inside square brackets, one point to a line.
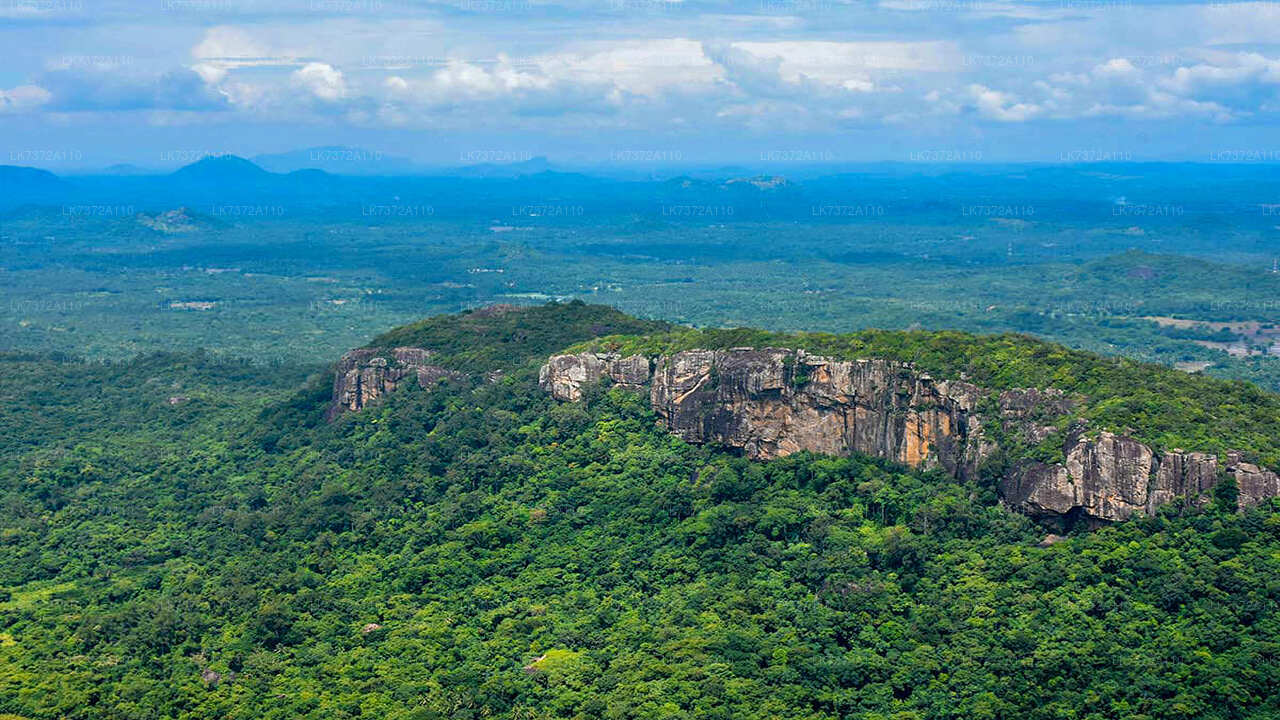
[1063, 435]
[773, 402]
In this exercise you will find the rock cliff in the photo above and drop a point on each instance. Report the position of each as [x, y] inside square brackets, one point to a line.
[771, 402]
[366, 374]
[774, 402]
[1112, 477]
[565, 375]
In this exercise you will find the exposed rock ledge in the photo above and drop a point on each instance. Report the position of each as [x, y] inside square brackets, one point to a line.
[772, 402]
[366, 374]
[564, 375]
[1114, 477]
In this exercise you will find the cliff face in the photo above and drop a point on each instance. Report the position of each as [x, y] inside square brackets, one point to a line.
[775, 402]
[1113, 477]
[1108, 478]
[565, 375]
[364, 375]
[772, 402]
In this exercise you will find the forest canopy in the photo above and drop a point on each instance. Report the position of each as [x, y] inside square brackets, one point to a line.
[476, 549]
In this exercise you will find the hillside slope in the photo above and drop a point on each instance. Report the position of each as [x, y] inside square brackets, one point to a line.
[477, 548]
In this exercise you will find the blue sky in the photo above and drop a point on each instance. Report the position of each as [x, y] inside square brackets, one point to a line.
[87, 83]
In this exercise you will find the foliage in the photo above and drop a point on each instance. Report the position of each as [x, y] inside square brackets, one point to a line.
[1154, 403]
[478, 550]
[304, 287]
[499, 337]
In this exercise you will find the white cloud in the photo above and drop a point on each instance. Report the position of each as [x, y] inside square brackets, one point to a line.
[322, 81]
[640, 67]
[228, 43]
[961, 62]
[1240, 69]
[1002, 106]
[1230, 86]
[829, 61]
[23, 98]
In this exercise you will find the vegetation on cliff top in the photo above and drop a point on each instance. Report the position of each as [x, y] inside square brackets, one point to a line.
[502, 337]
[1156, 404]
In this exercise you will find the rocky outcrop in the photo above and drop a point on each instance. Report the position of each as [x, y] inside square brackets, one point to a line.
[1256, 483]
[772, 402]
[169, 221]
[367, 374]
[1186, 475]
[1112, 477]
[565, 375]
[1107, 478]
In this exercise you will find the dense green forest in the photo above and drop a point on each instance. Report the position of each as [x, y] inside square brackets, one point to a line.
[305, 288]
[186, 537]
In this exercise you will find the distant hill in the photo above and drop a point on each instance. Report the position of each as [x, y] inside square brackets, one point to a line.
[532, 166]
[339, 160]
[219, 169]
[17, 178]
[25, 185]
[243, 189]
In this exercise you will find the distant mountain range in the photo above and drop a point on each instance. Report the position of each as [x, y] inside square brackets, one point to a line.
[339, 160]
[344, 160]
[233, 188]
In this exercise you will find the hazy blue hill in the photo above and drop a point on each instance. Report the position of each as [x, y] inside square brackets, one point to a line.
[1108, 197]
[339, 160]
[21, 185]
[531, 166]
[222, 168]
[14, 175]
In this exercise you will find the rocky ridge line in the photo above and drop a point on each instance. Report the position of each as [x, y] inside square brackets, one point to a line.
[772, 402]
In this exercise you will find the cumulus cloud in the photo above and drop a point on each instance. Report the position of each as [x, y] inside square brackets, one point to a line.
[647, 68]
[321, 80]
[990, 63]
[223, 49]
[1002, 106]
[480, 94]
[99, 90]
[1249, 71]
[1230, 86]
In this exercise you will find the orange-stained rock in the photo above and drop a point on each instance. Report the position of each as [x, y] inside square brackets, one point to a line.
[771, 402]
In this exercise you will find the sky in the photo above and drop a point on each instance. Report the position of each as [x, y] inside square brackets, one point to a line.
[89, 83]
